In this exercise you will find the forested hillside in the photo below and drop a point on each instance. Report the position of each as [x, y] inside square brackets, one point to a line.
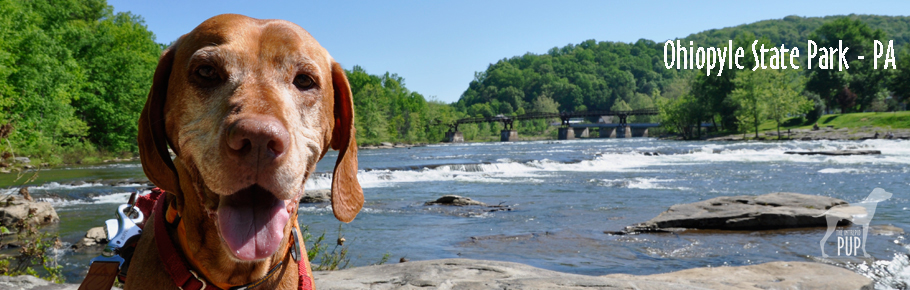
[73, 76]
[595, 75]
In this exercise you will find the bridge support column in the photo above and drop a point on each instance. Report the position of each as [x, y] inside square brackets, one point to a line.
[508, 135]
[581, 132]
[623, 132]
[566, 133]
[606, 132]
[639, 132]
[454, 137]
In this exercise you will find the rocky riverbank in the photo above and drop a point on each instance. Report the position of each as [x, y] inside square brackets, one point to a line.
[825, 133]
[483, 274]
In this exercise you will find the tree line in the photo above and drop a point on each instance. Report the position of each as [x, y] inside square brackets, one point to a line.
[74, 76]
[613, 75]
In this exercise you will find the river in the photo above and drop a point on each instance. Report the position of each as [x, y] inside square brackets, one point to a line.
[563, 195]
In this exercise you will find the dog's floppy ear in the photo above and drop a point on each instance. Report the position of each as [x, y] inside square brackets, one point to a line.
[153, 142]
[347, 196]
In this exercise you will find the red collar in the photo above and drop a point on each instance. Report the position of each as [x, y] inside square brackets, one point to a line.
[187, 279]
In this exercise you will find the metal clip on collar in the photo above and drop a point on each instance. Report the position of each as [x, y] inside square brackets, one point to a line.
[119, 230]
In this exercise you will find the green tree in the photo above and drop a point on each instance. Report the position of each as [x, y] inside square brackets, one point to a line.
[861, 78]
[785, 99]
[753, 89]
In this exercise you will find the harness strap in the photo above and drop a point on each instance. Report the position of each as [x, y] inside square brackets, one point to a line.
[100, 275]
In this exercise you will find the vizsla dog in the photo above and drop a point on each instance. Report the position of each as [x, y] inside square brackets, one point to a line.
[248, 106]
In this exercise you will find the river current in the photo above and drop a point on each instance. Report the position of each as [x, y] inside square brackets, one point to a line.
[562, 196]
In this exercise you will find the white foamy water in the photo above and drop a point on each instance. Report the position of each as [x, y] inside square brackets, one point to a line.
[888, 274]
[641, 183]
[506, 170]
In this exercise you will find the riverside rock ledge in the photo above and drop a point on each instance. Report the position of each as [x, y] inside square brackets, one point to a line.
[482, 274]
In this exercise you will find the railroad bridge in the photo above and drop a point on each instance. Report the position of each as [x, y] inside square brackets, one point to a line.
[567, 130]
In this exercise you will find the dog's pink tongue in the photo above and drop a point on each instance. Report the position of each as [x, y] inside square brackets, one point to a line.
[253, 231]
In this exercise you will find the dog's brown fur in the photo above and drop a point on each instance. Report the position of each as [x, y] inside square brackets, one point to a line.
[255, 63]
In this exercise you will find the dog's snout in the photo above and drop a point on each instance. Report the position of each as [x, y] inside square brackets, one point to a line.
[257, 140]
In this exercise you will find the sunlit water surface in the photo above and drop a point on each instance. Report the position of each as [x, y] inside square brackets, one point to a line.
[563, 195]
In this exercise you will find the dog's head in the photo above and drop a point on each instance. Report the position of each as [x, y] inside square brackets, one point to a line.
[249, 107]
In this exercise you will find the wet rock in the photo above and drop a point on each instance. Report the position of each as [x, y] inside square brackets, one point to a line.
[481, 274]
[94, 238]
[455, 200]
[13, 209]
[316, 196]
[763, 212]
[886, 230]
[837, 152]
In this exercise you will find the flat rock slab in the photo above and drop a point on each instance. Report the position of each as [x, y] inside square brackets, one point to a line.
[746, 212]
[837, 152]
[481, 274]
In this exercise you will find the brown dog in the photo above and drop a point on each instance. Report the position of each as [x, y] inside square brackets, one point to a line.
[248, 106]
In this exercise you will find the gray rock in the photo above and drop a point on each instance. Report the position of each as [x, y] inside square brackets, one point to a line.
[480, 274]
[773, 275]
[763, 212]
[26, 282]
[95, 237]
[837, 152]
[316, 196]
[454, 200]
[23, 160]
[13, 209]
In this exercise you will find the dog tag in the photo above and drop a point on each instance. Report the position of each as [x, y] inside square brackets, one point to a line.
[295, 252]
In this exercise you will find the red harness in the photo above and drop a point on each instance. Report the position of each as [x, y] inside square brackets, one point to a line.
[187, 279]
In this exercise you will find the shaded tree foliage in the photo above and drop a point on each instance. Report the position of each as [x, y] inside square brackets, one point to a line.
[72, 74]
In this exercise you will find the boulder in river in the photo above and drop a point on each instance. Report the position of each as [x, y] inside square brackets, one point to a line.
[316, 196]
[13, 209]
[747, 212]
[455, 200]
[95, 237]
[481, 274]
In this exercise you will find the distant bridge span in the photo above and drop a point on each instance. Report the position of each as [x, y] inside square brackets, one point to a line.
[508, 134]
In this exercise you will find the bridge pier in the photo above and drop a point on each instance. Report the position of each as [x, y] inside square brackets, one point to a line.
[623, 132]
[454, 137]
[508, 135]
[566, 133]
[581, 132]
[639, 132]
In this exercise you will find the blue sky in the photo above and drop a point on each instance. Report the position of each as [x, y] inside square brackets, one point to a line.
[438, 45]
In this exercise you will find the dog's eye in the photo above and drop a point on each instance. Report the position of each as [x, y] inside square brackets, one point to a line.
[303, 82]
[207, 72]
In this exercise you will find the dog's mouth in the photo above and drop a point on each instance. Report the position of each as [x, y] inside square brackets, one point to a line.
[252, 222]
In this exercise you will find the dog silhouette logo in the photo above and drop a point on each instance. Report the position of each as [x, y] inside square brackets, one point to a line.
[860, 213]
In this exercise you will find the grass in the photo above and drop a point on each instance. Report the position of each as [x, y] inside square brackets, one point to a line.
[884, 120]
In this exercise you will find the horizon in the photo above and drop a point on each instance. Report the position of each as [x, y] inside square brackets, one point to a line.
[437, 47]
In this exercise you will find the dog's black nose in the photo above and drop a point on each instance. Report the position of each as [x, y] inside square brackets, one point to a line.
[257, 141]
